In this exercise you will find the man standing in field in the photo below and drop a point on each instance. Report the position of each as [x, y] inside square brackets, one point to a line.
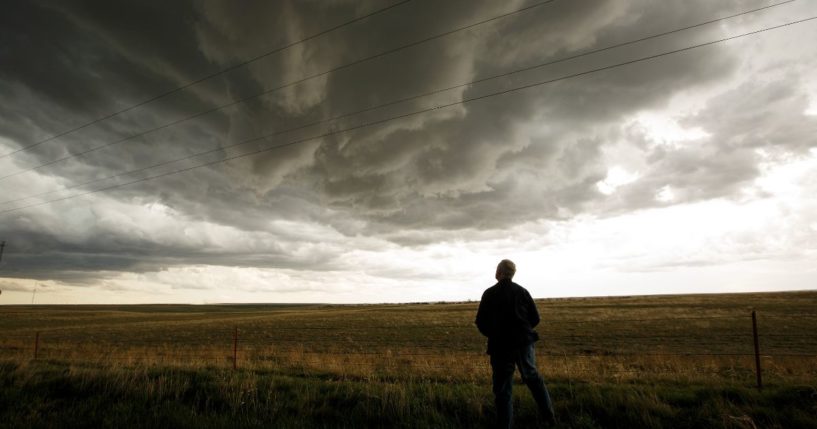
[507, 316]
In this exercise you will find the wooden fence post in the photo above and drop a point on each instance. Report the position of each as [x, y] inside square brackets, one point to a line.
[757, 350]
[36, 344]
[235, 348]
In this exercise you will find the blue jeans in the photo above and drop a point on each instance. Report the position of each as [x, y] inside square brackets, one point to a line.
[502, 365]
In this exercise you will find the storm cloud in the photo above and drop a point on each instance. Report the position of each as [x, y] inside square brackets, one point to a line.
[468, 171]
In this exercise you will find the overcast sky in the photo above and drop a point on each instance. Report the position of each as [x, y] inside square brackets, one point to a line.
[690, 172]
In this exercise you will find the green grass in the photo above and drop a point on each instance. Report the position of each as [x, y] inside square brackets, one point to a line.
[630, 362]
[58, 395]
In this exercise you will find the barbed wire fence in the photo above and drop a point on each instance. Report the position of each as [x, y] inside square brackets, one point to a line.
[438, 348]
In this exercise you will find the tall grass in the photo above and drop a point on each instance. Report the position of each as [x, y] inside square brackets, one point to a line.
[614, 362]
[48, 394]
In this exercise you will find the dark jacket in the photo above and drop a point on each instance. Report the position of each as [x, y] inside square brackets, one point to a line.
[507, 316]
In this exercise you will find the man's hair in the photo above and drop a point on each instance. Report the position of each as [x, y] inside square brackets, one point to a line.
[506, 269]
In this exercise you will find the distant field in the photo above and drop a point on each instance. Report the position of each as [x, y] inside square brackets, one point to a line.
[646, 361]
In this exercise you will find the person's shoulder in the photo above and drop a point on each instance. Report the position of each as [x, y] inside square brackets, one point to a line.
[491, 290]
[519, 287]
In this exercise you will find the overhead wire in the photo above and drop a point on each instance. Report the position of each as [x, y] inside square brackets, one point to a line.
[283, 86]
[414, 113]
[395, 102]
[208, 77]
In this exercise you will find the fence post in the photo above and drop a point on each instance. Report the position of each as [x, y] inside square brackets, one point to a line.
[757, 350]
[235, 348]
[36, 344]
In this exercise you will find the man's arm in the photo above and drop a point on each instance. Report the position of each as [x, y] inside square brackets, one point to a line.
[533, 313]
[483, 316]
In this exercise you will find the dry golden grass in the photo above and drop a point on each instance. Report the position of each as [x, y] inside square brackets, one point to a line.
[704, 338]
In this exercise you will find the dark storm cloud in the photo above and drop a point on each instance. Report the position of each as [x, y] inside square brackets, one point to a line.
[484, 165]
[761, 115]
[469, 163]
[96, 243]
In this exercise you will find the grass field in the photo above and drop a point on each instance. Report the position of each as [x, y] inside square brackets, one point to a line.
[664, 361]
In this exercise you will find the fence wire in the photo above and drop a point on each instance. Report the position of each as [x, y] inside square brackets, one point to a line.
[320, 348]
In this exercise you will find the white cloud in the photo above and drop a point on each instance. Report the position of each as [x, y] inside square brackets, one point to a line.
[811, 110]
[665, 194]
[616, 177]
[790, 179]
[664, 130]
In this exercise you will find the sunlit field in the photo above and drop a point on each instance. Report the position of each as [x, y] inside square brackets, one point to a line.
[669, 361]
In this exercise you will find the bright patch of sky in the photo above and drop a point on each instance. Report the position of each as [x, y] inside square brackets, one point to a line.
[665, 130]
[616, 177]
[812, 108]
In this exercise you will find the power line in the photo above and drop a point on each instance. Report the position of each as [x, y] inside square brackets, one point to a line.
[414, 113]
[206, 77]
[390, 103]
[284, 86]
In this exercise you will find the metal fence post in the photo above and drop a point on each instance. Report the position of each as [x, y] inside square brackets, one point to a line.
[36, 344]
[757, 350]
[235, 348]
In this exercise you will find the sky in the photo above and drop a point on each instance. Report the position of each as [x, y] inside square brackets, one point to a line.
[377, 162]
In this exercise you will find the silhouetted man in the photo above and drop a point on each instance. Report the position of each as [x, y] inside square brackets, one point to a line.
[507, 316]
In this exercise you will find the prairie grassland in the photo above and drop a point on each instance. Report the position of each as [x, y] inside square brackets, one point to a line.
[664, 361]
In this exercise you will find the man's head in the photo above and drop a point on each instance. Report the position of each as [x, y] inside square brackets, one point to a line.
[505, 270]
